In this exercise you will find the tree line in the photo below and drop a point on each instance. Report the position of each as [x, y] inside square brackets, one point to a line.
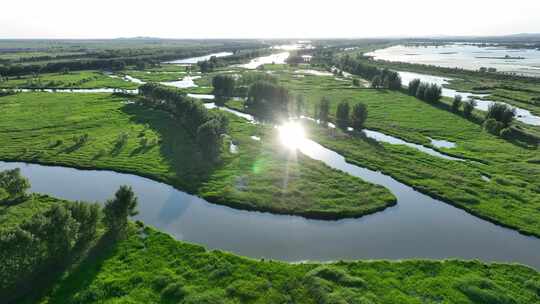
[380, 78]
[346, 116]
[204, 126]
[429, 92]
[268, 100]
[497, 119]
[48, 241]
[117, 60]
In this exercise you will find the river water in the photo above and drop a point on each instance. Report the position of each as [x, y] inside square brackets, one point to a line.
[417, 227]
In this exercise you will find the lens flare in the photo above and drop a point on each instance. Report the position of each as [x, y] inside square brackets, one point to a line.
[292, 135]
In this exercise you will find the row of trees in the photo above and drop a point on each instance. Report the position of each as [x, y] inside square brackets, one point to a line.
[118, 59]
[425, 91]
[345, 116]
[46, 242]
[268, 100]
[380, 78]
[205, 127]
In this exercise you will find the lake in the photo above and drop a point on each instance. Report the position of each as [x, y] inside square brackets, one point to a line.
[471, 57]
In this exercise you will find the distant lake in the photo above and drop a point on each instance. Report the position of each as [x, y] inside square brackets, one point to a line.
[470, 57]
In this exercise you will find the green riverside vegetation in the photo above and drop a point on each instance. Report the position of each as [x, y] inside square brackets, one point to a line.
[147, 266]
[102, 131]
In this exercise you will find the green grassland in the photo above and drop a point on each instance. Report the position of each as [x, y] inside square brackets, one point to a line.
[261, 176]
[511, 198]
[151, 267]
[79, 80]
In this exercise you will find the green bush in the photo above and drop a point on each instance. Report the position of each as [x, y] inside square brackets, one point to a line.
[173, 291]
[493, 126]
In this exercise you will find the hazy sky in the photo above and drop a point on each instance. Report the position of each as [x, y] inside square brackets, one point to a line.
[264, 19]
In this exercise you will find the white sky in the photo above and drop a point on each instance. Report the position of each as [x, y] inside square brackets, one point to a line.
[264, 19]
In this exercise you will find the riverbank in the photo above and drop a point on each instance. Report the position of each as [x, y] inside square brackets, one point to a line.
[509, 198]
[150, 266]
[261, 176]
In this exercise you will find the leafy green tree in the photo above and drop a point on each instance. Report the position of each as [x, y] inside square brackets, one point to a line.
[413, 87]
[223, 85]
[376, 82]
[209, 139]
[14, 183]
[468, 107]
[342, 115]
[356, 82]
[324, 111]
[300, 104]
[456, 103]
[118, 210]
[358, 116]
[501, 112]
[493, 126]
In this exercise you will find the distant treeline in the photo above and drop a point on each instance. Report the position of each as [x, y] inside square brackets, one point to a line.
[205, 127]
[111, 60]
[380, 78]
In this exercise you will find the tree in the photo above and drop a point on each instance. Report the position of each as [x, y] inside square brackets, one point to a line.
[118, 210]
[223, 85]
[342, 115]
[493, 126]
[209, 139]
[358, 116]
[468, 107]
[413, 86]
[501, 112]
[324, 111]
[456, 104]
[356, 82]
[14, 183]
[268, 100]
[376, 82]
[300, 105]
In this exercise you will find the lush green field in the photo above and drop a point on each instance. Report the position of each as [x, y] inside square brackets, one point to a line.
[261, 176]
[511, 198]
[80, 80]
[151, 267]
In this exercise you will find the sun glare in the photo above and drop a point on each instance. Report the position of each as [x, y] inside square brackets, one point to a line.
[291, 134]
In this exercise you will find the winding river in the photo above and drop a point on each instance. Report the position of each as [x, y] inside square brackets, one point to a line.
[417, 227]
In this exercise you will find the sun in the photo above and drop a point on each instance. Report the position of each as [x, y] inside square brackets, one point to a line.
[292, 135]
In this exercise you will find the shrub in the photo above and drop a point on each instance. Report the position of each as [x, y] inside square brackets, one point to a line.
[456, 103]
[501, 112]
[468, 107]
[492, 126]
[413, 86]
[174, 291]
[342, 115]
[506, 133]
[358, 116]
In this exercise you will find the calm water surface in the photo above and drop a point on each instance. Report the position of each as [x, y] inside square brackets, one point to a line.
[470, 57]
[417, 227]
